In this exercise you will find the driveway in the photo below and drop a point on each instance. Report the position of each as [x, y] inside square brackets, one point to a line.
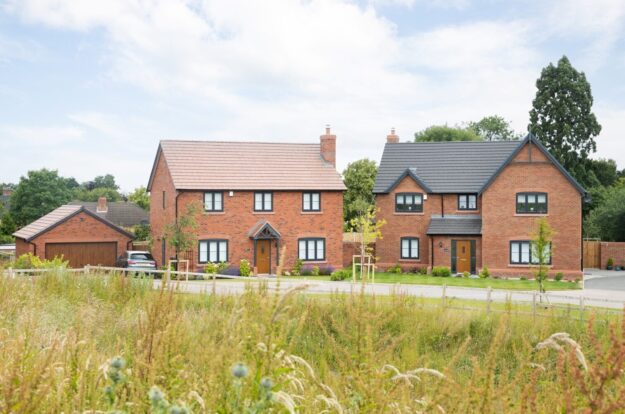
[595, 279]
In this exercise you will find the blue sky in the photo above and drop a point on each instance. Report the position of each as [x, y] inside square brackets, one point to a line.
[90, 87]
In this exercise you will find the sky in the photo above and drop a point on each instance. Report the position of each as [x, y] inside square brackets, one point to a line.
[90, 87]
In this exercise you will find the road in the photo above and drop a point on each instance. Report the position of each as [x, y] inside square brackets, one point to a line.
[600, 293]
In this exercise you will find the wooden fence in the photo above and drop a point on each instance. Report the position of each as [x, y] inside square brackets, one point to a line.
[592, 254]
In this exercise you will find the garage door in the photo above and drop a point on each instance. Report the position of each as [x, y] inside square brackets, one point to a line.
[81, 254]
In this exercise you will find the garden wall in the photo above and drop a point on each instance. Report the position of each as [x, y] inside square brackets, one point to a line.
[614, 250]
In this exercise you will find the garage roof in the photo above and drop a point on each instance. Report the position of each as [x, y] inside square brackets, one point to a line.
[59, 216]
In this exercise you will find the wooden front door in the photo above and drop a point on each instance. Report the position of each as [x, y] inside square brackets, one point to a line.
[463, 256]
[263, 256]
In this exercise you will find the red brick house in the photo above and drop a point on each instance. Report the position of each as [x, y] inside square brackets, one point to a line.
[466, 205]
[75, 232]
[256, 197]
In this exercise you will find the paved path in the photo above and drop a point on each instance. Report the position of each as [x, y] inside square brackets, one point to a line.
[591, 297]
[604, 280]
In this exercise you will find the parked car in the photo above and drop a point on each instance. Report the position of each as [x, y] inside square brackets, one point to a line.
[137, 261]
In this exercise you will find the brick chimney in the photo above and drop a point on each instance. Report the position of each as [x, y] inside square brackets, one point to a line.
[328, 146]
[102, 206]
[392, 138]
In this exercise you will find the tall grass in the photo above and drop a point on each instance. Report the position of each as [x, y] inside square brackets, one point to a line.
[78, 343]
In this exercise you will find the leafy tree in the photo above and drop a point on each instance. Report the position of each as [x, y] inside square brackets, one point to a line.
[37, 194]
[493, 128]
[7, 224]
[102, 181]
[111, 194]
[542, 250]
[604, 170]
[181, 234]
[140, 197]
[607, 221]
[142, 232]
[562, 118]
[359, 178]
[446, 133]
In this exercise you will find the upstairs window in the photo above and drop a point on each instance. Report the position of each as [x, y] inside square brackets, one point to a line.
[312, 249]
[531, 203]
[467, 202]
[213, 201]
[524, 252]
[263, 201]
[409, 202]
[164, 198]
[311, 201]
[409, 248]
[214, 251]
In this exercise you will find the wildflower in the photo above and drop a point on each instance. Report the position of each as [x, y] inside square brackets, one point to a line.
[239, 370]
[155, 395]
[266, 383]
[118, 363]
[175, 409]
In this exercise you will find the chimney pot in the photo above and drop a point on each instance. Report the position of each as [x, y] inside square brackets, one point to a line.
[392, 138]
[327, 146]
[102, 206]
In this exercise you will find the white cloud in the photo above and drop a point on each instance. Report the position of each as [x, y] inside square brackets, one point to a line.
[45, 136]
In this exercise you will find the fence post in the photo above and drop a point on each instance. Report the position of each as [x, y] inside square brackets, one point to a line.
[444, 295]
[11, 273]
[581, 308]
[534, 304]
[488, 298]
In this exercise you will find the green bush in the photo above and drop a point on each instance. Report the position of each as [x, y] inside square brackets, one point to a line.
[441, 271]
[423, 271]
[30, 261]
[341, 274]
[394, 269]
[559, 276]
[610, 262]
[244, 267]
[523, 278]
[315, 271]
[466, 274]
[297, 269]
[215, 268]
[485, 274]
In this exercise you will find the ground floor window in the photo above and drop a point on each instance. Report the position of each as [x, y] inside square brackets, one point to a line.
[214, 251]
[409, 248]
[524, 252]
[312, 249]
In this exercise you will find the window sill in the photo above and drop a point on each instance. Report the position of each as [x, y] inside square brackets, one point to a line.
[401, 213]
[526, 266]
[531, 214]
[410, 260]
[312, 212]
[263, 212]
[213, 213]
[314, 261]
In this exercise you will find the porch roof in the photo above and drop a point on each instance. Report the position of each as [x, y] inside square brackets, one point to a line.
[455, 225]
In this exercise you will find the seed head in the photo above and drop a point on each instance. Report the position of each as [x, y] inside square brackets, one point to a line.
[239, 370]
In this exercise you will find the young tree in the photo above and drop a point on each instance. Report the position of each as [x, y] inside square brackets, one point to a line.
[541, 252]
[562, 118]
[180, 235]
[140, 197]
[37, 194]
[446, 133]
[369, 230]
[359, 178]
[493, 128]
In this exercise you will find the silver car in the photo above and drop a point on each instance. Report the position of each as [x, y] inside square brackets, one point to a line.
[137, 261]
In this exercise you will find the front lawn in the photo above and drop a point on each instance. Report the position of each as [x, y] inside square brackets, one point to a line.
[505, 284]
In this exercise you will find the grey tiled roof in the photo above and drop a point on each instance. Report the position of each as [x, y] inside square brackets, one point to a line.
[120, 213]
[455, 225]
[445, 167]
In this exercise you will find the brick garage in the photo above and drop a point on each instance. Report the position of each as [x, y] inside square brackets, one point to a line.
[78, 234]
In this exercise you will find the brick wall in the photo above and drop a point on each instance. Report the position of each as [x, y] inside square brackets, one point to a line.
[501, 224]
[614, 250]
[238, 217]
[80, 228]
[159, 216]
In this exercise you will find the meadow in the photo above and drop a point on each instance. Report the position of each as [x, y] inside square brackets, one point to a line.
[106, 343]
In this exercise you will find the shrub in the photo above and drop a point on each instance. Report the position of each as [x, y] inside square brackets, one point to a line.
[297, 269]
[466, 274]
[394, 269]
[441, 271]
[485, 274]
[523, 278]
[341, 274]
[307, 270]
[30, 261]
[244, 268]
[559, 276]
[610, 262]
[212, 268]
[315, 270]
[231, 271]
[326, 270]
[422, 271]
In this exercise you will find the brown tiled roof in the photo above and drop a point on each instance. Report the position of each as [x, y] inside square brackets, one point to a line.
[203, 165]
[55, 218]
[120, 213]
